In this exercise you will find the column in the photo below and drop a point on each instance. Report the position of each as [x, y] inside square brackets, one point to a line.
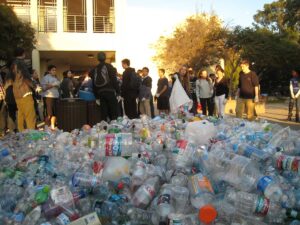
[34, 14]
[36, 61]
[60, 16]
[89, 16]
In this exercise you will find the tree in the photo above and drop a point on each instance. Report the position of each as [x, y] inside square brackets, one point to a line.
[273, 55]
[197, 43]
[13, 33]
[281, 16]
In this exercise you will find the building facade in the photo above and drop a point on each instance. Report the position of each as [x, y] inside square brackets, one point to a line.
[70, 33]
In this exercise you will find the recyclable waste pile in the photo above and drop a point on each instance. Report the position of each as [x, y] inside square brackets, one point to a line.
[166, 170]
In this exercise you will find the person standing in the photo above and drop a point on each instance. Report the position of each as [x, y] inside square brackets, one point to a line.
[66, 86]
[22, 90]
[295, 93]
[145, 93]
[183, 77]
[204, 92]
[193, 95]
[50, 94]
[247, 93]
[221, 92]
[130, 89]
[106, 88]
[162, 95]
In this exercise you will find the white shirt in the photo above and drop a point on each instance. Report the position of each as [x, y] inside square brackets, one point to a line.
[52, 92]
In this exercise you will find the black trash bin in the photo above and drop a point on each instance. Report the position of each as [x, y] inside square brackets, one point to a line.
[93, 113]
[71, 113]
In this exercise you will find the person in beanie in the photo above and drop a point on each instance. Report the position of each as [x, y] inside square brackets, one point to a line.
[106, 87]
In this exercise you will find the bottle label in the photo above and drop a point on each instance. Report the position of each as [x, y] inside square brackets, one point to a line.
[150, 190]
[200, 184]
[164, 199]
[262, 206]
[63, 219]
[180, 146]
[175, 221]
[113, 144]
[279, 162]
[249, 151]
[289, 163]
[263, 183]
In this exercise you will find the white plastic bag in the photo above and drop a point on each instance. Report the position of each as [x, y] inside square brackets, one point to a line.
[178, 97]
[115, 168]
[200, 132]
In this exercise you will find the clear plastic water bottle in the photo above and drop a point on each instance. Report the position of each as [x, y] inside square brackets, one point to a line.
[291, 199]
[165, 202]
[182, 154]
[85, 180]
[141, 216]
[138, 174]
[241, 173]
[143, 196]
[246, 203]
[202, 197]
[251, 152]
[33, 216]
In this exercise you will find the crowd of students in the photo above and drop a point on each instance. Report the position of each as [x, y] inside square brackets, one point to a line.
[130, 94]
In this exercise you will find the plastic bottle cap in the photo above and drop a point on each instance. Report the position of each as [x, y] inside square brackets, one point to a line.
[120, 185]
[207, 214]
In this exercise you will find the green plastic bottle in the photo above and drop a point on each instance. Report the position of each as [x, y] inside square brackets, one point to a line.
[42, 195]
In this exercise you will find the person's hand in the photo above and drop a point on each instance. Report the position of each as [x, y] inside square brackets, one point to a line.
[292, 96]
[297, 96]
[256, 99]
[225, 101]
[38, 89]
[143, 99]
[119, 98]
[157, 95]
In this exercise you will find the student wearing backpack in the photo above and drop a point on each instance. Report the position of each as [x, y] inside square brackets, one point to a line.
[106, 88]
[130, 89]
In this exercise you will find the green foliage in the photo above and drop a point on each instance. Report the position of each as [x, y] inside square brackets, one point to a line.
[273, 55]
[197, 43]
[13, 33]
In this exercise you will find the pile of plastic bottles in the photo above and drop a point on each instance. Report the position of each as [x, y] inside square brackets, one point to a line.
[166, 170]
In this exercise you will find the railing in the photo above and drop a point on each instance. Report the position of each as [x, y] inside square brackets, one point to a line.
[75, 23]
[104, 24]
[47, 19]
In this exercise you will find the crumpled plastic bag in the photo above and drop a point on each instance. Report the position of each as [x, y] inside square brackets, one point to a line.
[200, 132]
[179, 97]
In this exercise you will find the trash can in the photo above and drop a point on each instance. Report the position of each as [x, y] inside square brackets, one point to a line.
[71, 114]
[93, 113]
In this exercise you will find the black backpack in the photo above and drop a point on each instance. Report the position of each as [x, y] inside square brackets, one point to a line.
[135, 81]
[101, 76]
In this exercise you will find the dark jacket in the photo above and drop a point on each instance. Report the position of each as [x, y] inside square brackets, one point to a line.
[66, 88]
[126, 88]
[145, 88]
[112, 85]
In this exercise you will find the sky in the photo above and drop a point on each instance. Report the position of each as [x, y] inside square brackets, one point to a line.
[147, 20]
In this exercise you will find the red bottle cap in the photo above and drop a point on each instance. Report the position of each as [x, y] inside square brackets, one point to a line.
[207, 214]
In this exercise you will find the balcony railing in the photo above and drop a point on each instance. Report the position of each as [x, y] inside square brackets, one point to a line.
[47, 19]
[104, 24]
[75, 23]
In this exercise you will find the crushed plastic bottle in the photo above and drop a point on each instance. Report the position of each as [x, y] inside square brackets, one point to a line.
[173, 169]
